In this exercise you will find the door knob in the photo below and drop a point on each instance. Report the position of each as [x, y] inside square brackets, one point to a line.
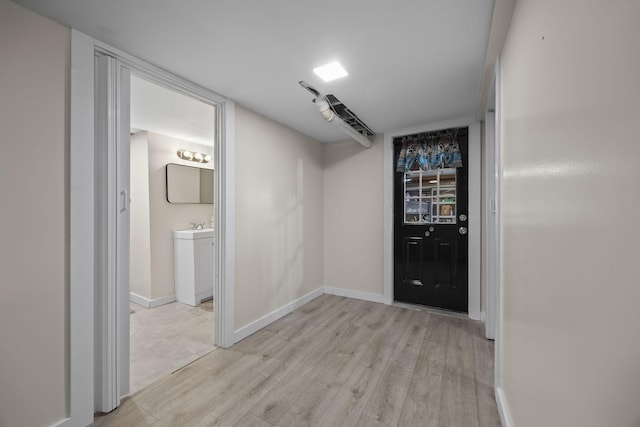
[463, 230]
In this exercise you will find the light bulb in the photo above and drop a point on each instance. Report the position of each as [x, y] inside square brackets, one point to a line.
[207, 158]
[327, 114]
[197, 157]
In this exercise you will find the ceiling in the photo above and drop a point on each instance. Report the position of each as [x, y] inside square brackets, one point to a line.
[410, 62]
[160, 110]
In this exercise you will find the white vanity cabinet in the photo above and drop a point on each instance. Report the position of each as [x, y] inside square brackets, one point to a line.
[193, 265]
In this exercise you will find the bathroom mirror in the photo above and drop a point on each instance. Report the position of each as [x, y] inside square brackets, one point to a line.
[189, 184]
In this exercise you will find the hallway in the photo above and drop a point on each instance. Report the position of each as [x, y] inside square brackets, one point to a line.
[335, 361]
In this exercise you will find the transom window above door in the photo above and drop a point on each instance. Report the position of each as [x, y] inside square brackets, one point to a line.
[430, 196]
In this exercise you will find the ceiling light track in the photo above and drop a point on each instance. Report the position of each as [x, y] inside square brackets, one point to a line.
[335, 112]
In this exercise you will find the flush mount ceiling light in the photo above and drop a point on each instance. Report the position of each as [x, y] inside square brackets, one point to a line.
[193, 156]
[331, 71]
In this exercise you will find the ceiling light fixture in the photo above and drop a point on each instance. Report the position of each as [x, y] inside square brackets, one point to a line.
[330, 117]
[331, 71]
[343, 118]
[194, 157]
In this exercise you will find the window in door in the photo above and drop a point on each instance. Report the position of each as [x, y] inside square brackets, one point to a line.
[430, 196]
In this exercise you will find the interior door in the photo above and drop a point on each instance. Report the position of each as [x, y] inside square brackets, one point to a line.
[112, 222]
[430, 231]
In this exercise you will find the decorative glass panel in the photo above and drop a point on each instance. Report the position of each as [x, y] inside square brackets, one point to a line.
[430, 196]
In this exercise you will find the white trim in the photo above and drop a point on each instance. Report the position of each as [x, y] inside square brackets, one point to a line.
[474, 206]
[157, 302]
[224, 282]
[503, 408]
[140, 300]
[63, 423]
[498, 297]
[81, 233]
[475, 222]
[151, 303]
[365, 296]
[490, 222]
[264, 321]
[483, 317]
[387, 222]
[158, 75]
[123, 188]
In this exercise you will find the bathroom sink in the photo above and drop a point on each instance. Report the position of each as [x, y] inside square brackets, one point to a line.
[193, 234]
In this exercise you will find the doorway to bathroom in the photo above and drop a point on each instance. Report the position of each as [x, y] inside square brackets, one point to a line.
[171, 248]
[108, 200]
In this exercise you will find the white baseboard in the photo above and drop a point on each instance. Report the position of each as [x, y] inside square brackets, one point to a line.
[167, 299]
[204, 295]
[503, 408]
[151, 303]
[255, 326]
[62, 423]
[366, 296]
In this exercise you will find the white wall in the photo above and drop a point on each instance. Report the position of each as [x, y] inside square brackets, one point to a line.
[34, 135]
[353, 216]
[165, 216]
[140, 238]
[571, 264]
[483, 220]
[279, 227]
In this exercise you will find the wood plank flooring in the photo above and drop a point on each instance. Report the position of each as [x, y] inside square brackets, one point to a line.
[333, 362]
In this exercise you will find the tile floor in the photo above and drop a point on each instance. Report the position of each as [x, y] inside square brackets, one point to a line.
[166, 338]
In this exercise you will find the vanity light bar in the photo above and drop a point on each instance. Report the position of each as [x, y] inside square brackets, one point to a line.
[193, 156]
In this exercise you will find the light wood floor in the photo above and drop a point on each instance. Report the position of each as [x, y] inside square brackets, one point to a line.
[333, 362]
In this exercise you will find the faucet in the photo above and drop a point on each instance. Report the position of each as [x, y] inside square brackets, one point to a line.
[195, 226]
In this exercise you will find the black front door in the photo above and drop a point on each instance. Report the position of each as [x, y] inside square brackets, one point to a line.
[430, 223]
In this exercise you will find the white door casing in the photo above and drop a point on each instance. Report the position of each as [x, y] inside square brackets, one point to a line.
[498, 294]
[490, 218]
[86, 199]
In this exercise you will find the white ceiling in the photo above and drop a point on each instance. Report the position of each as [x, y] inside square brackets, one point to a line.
[410, 62]
[157, 109]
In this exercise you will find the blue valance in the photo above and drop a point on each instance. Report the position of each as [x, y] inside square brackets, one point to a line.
[438, 150]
